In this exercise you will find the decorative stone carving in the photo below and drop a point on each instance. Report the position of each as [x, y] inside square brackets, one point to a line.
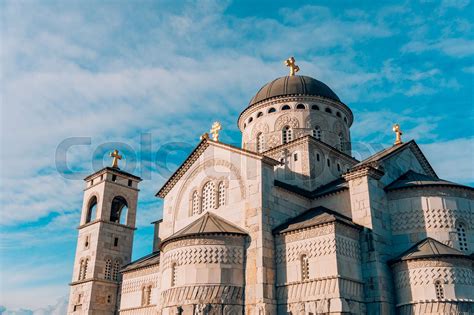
[204, 255]
[286, 120]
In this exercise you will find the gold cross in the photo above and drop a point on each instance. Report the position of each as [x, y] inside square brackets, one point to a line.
[116, 157]
[216, 127]
[398, 133]
[290, 62]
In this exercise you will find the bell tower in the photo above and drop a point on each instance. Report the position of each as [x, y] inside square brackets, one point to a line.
[105, 239]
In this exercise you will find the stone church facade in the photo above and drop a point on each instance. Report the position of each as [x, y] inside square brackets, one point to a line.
[290, 223]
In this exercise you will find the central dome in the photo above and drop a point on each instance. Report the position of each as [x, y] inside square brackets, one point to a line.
[294, 85]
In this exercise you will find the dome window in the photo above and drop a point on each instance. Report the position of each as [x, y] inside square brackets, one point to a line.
[271, 110]
[250, 120]
[345, 120]
[338, 114]
[328, 110]
[245, 125]
[260, 114]
[315, 107]
[300, 106]
[286, 107]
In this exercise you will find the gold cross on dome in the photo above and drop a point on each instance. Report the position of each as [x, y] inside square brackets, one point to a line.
[398, 134]
[290, 62]
[116, 157]
[216, 127]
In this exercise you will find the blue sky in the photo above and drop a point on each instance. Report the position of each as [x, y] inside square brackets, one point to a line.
[151, 76]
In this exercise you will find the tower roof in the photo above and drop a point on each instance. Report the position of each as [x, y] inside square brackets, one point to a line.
[294, 85]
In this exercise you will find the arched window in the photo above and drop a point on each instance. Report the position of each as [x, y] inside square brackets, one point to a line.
[304, 267]
[83, 269]
[196, 205]
[300, 106]
[250, 120]
[119, 210]
[338, 114]
[174, 275]
[221, 191]
[318, 157]
[315, 107]
[108, 269]
[286, 107]
[439, 290]
[92, 210]
[208, 196]
[271, 110]
[260, 114]
[328, 110]
[286, 134]
[115, 270]
[338, 167]
[146, 295]
[345, 120]
[316, 132]
[341, 141]
[462, 238]
[259, 142]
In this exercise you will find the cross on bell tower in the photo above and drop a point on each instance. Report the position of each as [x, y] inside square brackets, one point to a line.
[290, 62]
[398, 134]
[115, 157]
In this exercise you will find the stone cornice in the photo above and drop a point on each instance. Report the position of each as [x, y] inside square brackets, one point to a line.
[365, 170]
[107, 222]
[95, 280]
[437, 301]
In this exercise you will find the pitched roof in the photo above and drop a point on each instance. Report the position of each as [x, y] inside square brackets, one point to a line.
[145, 261]
[428, 248]
[388, 152]
[414, 179]
[194, 155]
[313, 217]
[329, 188]
[208, 223]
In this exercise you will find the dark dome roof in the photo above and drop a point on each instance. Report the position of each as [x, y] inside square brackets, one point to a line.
[294, 85]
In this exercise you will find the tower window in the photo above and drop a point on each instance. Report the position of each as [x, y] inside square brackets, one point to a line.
[287, 134]
[462, 238]
[316, 132]
[196, 205]
[108, 269]
[315, 107]
[286, 107]
[86, 242]
[318, 158]
[338, 167]
[115, 241]
[328, 110]
[83, 268]
[250, 120]
[129, 183]
[260, 114]
[92, 210]
[119, 210]
[300, 106]
[208, 196]
[221, 197]
[329, 162]
[109, 299]
[115, 270]
[174, 275]
[295, 157]
[271, 110]
[114, 178]
[304, 267]
[259, 142]
[439, 290]
[341, 141]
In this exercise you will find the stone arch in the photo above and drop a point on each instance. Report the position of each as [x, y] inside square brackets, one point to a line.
[286, 120]
[92, 206]
[119, 210]
[192, 173]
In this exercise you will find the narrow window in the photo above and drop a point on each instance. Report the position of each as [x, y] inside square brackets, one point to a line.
[92, 182]
[174, 275]
[196, 201]
[101, 177]
[116, 242]
[208, 196]
[328, 110]
[260, 142]
[315, 107]
[250, 120]
[86, 242]
[84, 267]
[338, 114]
[271, 110]
[295, 157]
[81, 269]
[316, 132]
[462, 238]
[318, 158]
[439, 290]
[221, 197]
[114, 178]
[300, 106]
[345, 120]
[115, 270]
[341, 142]
[146, 295]
[129, 183]
[338, 167]
[286, 134]
[286, 107]
[108, 269]
[109, 299]
[260, 114]
[329, 163]
[304, 267]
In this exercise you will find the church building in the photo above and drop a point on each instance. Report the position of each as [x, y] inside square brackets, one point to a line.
[288, 223]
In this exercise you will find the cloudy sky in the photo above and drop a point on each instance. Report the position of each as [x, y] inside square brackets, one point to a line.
[79, 78]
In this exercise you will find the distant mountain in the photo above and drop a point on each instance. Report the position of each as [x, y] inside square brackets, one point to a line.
[60, 308]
